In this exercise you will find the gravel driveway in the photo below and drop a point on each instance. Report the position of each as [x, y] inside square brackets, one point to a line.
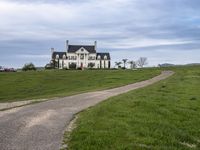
[41, 126]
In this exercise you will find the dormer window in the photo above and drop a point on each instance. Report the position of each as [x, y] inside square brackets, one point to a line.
[57, 56]
[64, 56]
[99, 57]
[105, 57]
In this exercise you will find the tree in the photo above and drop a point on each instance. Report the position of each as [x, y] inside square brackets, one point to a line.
[29, 66]
[118, 64]
[124, 61]
[133, 64]
[142, 61]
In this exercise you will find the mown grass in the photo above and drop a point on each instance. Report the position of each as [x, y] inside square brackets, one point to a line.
[57, 83]
[163, 116]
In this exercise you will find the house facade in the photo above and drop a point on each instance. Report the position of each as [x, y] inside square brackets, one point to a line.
[80, 56]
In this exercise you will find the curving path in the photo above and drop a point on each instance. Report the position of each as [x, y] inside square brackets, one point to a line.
[41, 126]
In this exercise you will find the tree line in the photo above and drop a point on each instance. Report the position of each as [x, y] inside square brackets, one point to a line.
[141, 62]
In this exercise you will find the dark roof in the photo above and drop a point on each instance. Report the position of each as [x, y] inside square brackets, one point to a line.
[74, 48]
[104, 54]
[60, 54]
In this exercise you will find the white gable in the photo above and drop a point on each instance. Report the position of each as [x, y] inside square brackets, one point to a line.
[82, 50]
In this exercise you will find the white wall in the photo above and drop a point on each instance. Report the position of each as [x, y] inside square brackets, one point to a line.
[64, 63]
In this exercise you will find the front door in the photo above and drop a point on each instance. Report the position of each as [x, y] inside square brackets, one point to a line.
[81, 65]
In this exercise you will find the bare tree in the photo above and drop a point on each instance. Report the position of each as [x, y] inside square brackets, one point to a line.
[133, 64]
[124, 61]
[118, 64]
[142, 61]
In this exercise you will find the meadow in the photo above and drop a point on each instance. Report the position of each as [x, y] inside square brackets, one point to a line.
[164, 116]
[59, 83]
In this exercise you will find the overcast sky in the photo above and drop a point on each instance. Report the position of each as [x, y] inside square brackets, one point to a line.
[165, 31]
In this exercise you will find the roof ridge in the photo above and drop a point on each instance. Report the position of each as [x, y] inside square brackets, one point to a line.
[59, 52]
[103, 53]
[81, 45]
[74, 48]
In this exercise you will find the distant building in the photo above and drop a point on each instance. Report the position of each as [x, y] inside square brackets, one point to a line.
[165, 65]
[80, 56]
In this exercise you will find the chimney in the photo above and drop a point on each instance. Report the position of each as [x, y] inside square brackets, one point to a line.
[52, 50]
[67, 45]
[95, 45]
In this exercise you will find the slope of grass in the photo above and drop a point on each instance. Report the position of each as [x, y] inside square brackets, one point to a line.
[54, 83]
[163, 116]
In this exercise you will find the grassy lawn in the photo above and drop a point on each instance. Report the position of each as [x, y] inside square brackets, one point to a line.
[163, 116]
[58, 83]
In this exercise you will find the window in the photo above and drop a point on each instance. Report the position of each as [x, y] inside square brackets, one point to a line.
[91, 58]
[82, 56]
[72, 57]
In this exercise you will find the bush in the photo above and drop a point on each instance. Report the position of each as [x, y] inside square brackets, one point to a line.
[29, 66]
[72, 66]
[91, 65]
[49, 66]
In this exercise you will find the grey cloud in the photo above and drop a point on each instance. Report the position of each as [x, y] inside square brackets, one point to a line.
[114, 23]
[49, 1]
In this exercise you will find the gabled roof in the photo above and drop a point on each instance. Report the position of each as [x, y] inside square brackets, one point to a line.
[60, 54]
[103, 54]
[74, 48]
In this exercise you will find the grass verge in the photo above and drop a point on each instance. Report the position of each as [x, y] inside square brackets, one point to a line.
[57, 83]
[165, 115]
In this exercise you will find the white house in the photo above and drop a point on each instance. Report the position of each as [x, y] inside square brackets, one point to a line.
[80, 56]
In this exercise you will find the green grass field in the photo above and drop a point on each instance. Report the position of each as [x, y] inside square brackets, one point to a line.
[163, 116]
[57, 83]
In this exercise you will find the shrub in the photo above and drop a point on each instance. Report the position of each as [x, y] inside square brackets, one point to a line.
[49, 66]
[91, 65]
[72, 66]
[29, 66]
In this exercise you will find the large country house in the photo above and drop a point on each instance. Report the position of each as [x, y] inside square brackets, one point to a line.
[80, 56]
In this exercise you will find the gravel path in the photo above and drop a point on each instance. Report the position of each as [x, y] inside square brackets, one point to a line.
[9, 105]
[41, 126]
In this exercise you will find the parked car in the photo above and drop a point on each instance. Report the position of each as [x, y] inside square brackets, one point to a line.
[9, 70]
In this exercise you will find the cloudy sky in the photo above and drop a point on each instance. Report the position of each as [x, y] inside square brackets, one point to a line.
[162, 30]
